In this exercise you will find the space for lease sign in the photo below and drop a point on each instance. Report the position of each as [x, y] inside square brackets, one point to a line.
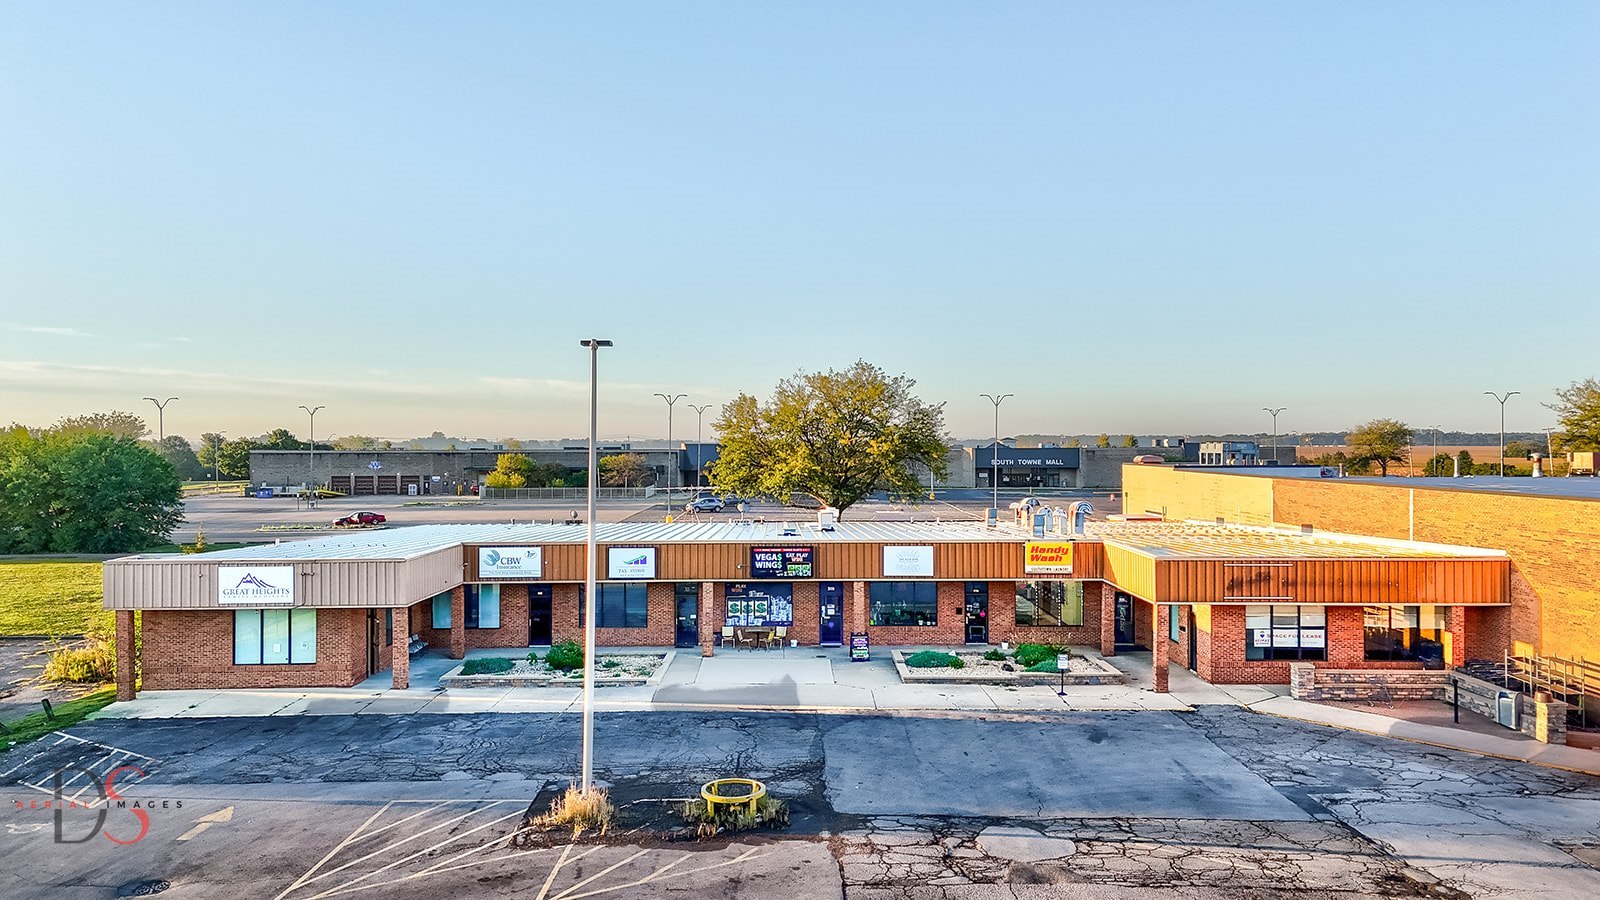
[1048, 558]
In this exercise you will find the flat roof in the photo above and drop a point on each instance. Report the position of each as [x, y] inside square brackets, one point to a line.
[1564, 487]
[1202, 540]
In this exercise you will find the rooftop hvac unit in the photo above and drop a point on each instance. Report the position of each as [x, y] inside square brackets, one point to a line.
[827, 517]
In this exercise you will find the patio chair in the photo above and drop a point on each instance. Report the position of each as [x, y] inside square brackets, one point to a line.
[779, 637]
[728, 637]
[744, 639]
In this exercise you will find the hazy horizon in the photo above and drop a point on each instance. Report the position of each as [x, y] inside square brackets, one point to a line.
[1132, 217]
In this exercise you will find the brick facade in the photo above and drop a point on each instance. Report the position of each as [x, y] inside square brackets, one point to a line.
[192, 649]
[1097, 612]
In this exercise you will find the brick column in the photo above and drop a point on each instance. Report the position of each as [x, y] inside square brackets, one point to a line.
[458, 623]
[400, 652]
[1108, 620]
[710, 618]
[1158, 648]
[127, 655]
[1457, 624]
[855, 610]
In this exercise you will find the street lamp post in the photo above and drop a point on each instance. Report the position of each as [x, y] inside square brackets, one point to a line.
[670, 476]
[161, 415]
[994, 457]
[311, 468]
[699, 422]
[587, 781]
[1273, 411]
[1502, 399]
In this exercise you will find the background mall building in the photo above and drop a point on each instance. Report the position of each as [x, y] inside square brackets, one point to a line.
[1250, 574]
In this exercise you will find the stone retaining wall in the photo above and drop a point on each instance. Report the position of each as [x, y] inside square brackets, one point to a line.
[1541, 720]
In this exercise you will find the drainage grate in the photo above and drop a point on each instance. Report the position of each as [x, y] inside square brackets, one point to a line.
[144, 888]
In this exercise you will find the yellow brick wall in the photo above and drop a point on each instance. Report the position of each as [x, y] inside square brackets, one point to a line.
[1180, 494]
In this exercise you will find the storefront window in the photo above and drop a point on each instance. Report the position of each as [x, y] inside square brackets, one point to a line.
[1049, 603]
[903, 603]
[274, 636]
[1285, 632]
[441, 610]
[620, 605]
[1174, 623]
[482, 605]
[1405, 633]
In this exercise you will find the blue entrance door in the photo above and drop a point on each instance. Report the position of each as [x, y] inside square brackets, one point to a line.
[830, 628]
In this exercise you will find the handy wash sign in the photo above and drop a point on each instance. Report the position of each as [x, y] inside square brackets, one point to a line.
[1048, 558]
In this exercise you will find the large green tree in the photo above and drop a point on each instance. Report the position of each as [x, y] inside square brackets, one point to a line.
[1380, 441]
[1577, 410]
[623, 469]
[175, 449]
[835, 436]
[83, 491]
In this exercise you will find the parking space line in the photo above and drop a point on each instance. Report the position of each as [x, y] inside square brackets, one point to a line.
[404, 840]
[335, 851]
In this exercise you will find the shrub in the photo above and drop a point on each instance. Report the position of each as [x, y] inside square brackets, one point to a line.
[958, 663]
[592, 810]
[933, 659]
[994, 656]
[92, 662]
[769, 811]
[1044, 665]
[565, 656]
[492, 665]
[1028, 655]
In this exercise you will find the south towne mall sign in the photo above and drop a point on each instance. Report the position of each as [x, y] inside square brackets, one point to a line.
[1048, 558]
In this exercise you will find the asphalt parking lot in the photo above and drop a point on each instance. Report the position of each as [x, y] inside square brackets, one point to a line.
[1117, 804]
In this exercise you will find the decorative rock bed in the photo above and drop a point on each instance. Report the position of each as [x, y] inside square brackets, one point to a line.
[977, 670]
[617, 668]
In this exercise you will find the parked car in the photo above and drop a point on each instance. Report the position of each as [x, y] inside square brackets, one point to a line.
[704, 504]
[360, 518]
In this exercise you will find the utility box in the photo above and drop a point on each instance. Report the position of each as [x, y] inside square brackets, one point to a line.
[1505, 709]
[1582, 462]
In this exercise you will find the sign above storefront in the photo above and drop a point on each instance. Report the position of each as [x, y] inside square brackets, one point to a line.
[1027, 457]
[630, 563]
[510, 562]
[1047, 558]
[255, 585]
[780, 562]
[908, 562]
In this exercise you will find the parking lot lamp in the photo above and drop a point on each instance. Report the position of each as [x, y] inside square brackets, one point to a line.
[1508, 395]
[587, 781]
[1273, 411]
[670, 476]
[994, 457]
[161, 413]
[311, 474]
[699, 423]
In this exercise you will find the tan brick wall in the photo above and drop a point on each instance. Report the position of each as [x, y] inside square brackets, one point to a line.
[191, 649]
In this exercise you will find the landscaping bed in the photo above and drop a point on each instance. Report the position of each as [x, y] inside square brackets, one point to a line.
[614, 668]
[979, 667]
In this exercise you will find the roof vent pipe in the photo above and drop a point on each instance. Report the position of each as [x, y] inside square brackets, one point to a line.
[1079, 511]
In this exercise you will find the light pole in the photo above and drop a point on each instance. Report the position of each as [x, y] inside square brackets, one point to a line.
[1433, 460]
[587, 782]
[161, 415]
[311, 468]
[699, 421]
[1273, 411]
[1503, 399]
[216, 457]
[670, 477]
[1550, 449]
[994, 458]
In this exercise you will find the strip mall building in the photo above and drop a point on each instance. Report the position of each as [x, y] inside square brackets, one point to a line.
[1236, 601]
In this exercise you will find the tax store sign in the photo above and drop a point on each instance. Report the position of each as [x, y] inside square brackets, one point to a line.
[1048, 558]
[630, 563]
[255, 585]
[510, 562]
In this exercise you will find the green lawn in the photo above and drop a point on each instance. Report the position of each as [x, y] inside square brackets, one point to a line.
[51, 598]
[67, 714]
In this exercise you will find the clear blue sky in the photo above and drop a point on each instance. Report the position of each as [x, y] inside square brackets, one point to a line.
[1136, 216]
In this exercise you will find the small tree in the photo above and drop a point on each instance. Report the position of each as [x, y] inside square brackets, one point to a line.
[281, 439]
[1074, 442]
[118, 424]
[233, 459]
[623, 469]
[1464, 459]
[355, 442]
[1577, 409]
[1103, 440]
[1380, 441]
[510, 471]
[1440, 466]
[1129, 440]
[176, 450]
[1518, 449]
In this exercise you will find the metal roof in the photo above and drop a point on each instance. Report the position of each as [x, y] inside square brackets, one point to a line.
[1201, 540]
[417, 540]
[1570, 488]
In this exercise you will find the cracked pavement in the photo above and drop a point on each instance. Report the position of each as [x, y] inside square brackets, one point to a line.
[1220, 802]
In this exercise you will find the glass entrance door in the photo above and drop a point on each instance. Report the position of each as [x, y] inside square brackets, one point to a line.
[688, 607]
[540, 617]
[1125, 635]
[977, 612]
[830, 626]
